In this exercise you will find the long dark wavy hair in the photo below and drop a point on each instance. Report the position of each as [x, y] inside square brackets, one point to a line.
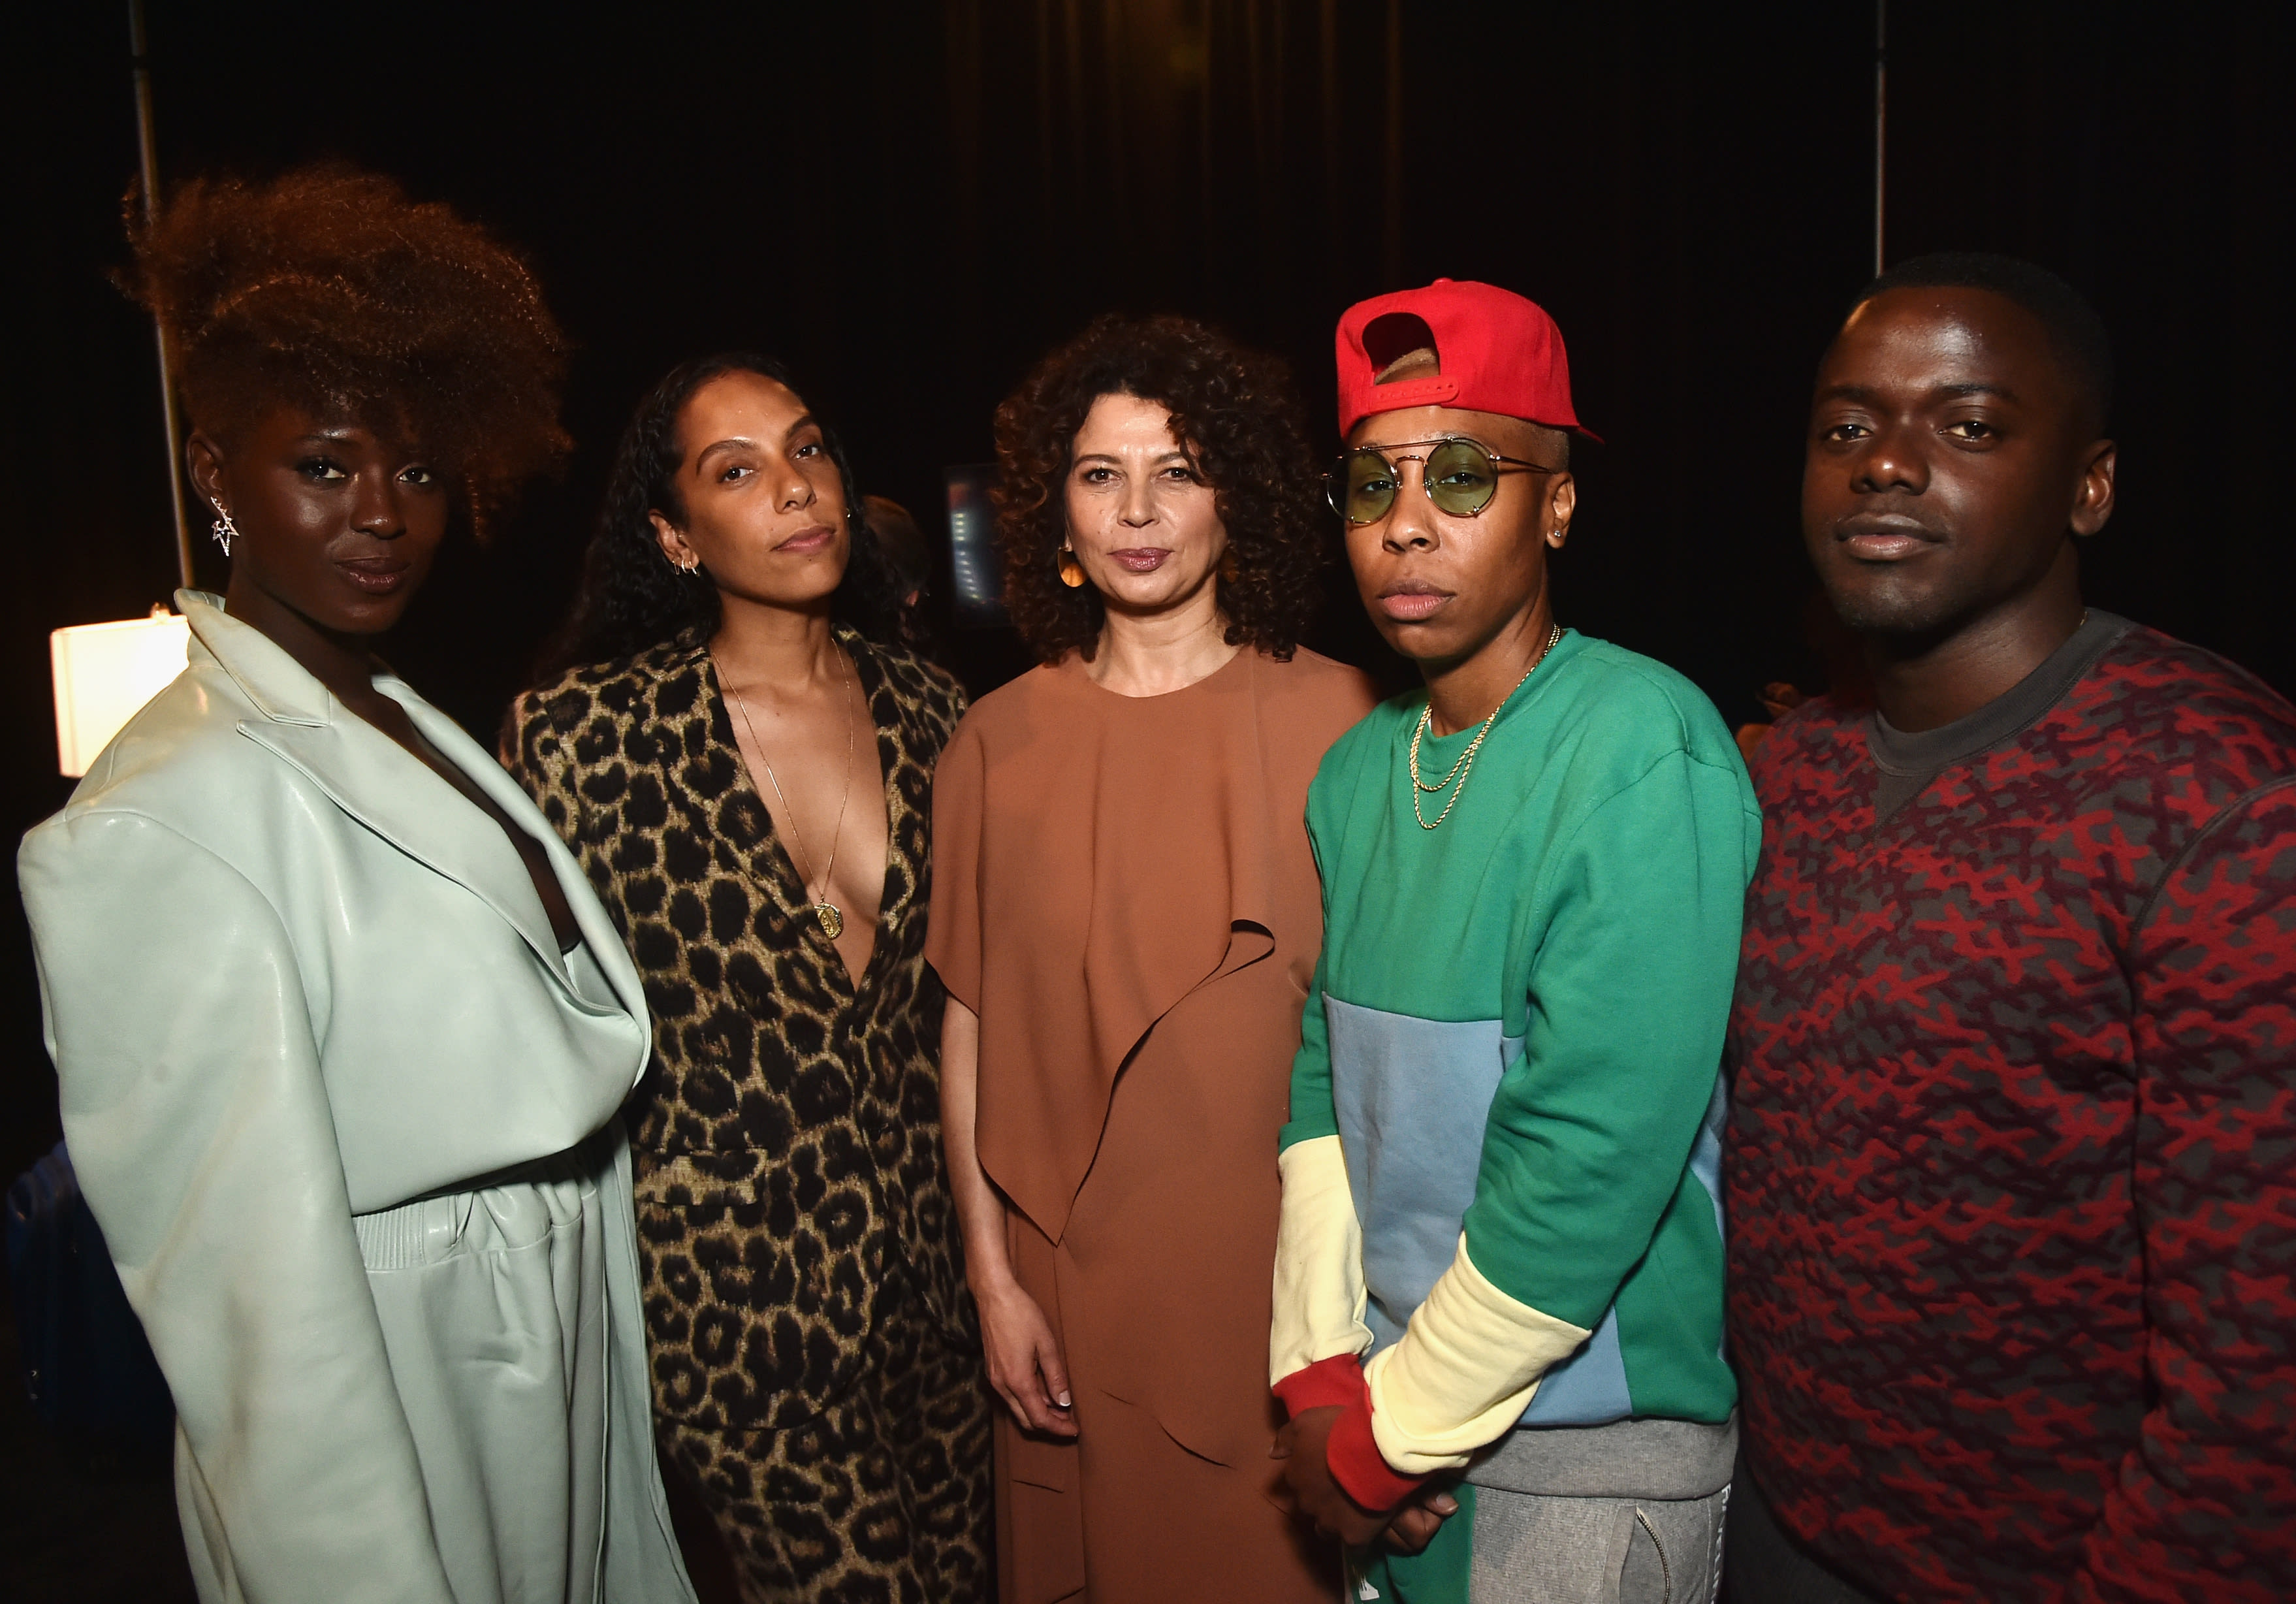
[631, 599]
[1233, 410]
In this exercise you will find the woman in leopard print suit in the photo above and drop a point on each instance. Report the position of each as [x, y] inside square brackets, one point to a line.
[816, 1362]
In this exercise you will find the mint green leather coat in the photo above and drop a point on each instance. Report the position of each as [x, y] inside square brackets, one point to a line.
[347, 1120]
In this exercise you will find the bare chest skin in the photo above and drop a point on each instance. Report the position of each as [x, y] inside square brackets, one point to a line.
[796, 750]
[388, 716]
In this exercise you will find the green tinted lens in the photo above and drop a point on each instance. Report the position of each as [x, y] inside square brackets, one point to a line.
[1370, 487]
[1460, 478]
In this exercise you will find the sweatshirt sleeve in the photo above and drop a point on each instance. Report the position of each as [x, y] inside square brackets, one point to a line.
[200, 1126]
[2203, 1506]
[1319, 1295]
[1590, 1133]
[1314, 1114]
[1318, 1332]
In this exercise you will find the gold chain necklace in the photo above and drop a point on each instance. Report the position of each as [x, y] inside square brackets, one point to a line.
[1465, 763]
[832, 922]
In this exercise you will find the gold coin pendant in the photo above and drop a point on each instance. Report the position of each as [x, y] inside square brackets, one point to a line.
[833, 923]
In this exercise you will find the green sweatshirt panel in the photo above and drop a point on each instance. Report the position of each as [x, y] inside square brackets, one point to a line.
[1674, 1365]
[1586, 895]
[1636, 924]
[1446, 924]
[1313, 1114]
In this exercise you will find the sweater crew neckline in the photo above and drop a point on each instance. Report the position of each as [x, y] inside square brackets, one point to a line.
[1516, 699]
[1909, 760]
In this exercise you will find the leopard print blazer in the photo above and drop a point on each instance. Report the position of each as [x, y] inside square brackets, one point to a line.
[787, 1135]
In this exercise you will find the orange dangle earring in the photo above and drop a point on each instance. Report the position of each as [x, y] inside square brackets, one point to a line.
[1071, 570]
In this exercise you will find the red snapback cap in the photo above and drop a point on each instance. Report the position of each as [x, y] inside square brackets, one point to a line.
[1496, 351]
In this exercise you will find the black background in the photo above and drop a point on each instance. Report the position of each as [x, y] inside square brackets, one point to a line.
[912, 202]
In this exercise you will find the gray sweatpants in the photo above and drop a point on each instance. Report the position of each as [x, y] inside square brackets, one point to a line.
[1535, 1550]
[1624, 1514]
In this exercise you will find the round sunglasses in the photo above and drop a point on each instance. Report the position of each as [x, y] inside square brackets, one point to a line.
[1460, 477]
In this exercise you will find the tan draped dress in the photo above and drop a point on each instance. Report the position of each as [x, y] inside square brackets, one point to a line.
[1123, 892]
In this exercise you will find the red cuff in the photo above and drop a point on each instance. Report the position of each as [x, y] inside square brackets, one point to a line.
[1337, 1381]
[1358, 1466]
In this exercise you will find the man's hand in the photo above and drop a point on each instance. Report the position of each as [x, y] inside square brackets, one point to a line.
[1303, 1447]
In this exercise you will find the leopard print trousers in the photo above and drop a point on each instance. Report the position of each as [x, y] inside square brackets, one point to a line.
[883, 1498]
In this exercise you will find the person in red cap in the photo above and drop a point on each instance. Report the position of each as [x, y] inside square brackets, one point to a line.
[1498, 1283]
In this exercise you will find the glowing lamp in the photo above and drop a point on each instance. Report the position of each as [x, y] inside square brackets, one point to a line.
[104, 675]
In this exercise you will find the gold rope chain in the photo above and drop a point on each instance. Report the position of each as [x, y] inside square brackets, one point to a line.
[1465, 763]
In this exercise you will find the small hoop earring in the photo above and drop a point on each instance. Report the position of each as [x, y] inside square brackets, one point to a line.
[686, 568]
[1071, 570]
[226, 531]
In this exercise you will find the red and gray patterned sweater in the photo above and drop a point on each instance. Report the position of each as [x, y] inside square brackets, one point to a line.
[2012, 1166]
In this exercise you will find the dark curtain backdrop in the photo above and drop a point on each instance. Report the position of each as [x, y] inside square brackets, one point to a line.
[911, 202]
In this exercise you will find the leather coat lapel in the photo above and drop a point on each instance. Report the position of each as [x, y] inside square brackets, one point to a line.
[385, 788]
[598, 932]
[377, 782]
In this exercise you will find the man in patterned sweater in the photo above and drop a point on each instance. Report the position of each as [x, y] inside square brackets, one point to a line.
[2012, 1210]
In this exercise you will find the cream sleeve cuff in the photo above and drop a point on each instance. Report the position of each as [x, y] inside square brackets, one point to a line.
[1463, 1372]
[1319, 1284]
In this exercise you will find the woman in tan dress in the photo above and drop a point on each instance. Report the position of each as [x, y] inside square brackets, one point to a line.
[1126, 916]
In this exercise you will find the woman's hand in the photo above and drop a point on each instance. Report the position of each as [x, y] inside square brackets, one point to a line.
[1303, 1446]
[1024, 1359]
[1422, 1515]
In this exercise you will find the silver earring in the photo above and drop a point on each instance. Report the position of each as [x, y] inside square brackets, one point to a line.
[226, 531]
[688, 567]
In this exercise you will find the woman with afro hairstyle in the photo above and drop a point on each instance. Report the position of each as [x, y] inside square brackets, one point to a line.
[1126, 919]
[742, 761]
[339, 1026]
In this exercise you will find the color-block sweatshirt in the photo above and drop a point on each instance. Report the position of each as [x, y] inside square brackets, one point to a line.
[1501, 1186]
[2012, 1166]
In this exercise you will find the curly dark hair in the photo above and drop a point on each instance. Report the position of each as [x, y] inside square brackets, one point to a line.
[329, 290]
[1234, 411]
[631, 599]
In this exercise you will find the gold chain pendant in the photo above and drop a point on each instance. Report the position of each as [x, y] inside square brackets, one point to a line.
[1464, 764]
[824, 912]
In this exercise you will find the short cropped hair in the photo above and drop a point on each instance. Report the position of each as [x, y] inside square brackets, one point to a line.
[2076, 333]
